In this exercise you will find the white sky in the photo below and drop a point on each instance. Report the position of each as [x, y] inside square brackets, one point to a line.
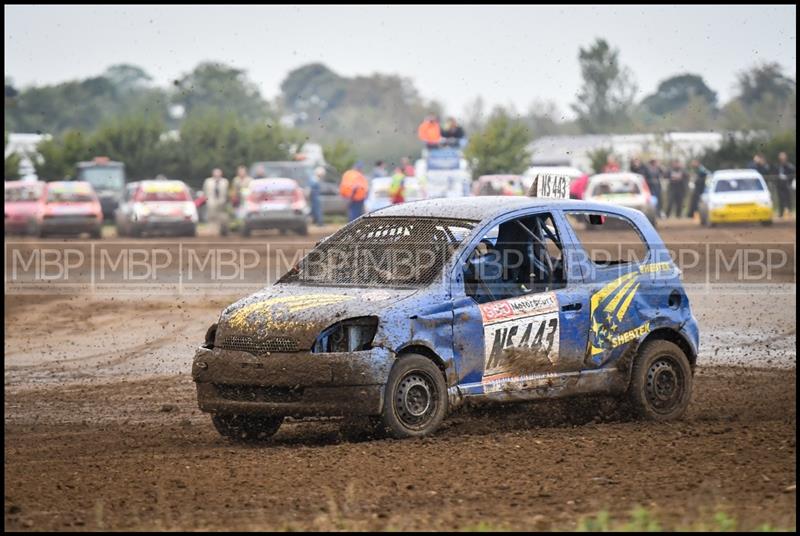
[507, 54]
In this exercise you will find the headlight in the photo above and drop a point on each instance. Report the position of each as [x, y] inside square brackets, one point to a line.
[349, 335]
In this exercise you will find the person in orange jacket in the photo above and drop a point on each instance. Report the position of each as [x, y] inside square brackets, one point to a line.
[354, 187]
[429, 131]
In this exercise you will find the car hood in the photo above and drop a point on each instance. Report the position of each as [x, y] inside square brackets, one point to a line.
[300, 312]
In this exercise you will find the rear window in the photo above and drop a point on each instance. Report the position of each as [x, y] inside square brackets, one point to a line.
[749, 184]
[163, 192]
[609, 188]
[397, 252]
[607, 239]
[23, 193]
[78, 193]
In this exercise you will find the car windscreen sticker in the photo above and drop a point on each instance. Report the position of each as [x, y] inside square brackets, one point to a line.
[521, 339]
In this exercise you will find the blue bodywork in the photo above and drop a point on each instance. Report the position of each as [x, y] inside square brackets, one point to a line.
[576, 339]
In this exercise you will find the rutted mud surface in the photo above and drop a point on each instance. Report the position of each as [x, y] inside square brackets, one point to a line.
[102, 431]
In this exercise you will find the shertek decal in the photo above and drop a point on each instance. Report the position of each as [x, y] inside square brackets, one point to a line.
[520, 337]
[610, 324]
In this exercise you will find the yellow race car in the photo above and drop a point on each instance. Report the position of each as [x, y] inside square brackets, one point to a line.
[736, 195]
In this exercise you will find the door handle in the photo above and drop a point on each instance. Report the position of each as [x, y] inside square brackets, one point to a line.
[572, 307]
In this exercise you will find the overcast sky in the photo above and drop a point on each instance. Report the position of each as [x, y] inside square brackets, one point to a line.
[507, 54]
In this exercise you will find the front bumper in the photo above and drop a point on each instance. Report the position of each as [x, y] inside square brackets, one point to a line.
[740, 213]
[71, 225]
[24, 226]
[291, 384]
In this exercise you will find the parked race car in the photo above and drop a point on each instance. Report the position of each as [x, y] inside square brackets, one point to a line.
[499, 185]
[415, 309]
[736, 195]
[156, 207]
[303, 172]
[71, 208]
[274, 204]
[623, 189]
[24, 207]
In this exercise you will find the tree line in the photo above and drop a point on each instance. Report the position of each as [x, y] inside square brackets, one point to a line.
[214, 115]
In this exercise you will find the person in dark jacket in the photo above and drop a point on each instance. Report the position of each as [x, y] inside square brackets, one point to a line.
[676, 191]
[700, 176]
[786, 173]
[654, 181]
[452, 134]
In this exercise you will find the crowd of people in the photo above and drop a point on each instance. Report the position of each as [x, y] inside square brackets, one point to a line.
[677, 177]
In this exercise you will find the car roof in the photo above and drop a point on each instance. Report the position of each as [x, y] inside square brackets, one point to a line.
[70, 183]
[737, 174]
[155, 181]
[273, 180]
[488, 207]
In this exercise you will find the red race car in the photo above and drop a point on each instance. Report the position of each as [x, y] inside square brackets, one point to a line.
[71, 208]
[24, 207]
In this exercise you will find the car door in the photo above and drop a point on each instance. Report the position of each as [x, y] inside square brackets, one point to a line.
[518, 339]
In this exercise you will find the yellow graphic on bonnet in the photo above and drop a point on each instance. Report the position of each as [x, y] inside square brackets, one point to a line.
[293, 304]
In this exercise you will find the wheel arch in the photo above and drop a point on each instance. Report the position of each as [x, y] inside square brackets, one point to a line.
[676, 337]
[430, 353]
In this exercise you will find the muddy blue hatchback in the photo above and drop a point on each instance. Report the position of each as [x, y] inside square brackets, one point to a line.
[415, 309]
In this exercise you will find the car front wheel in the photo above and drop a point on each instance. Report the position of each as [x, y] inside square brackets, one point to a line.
[416, 398]
[247, 428]
[661, 382]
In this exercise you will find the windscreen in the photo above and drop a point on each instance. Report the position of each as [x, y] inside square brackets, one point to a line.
[624, 187]
[163, 192]
[69, 193]
[103, 178]
[397, 252]
[739, 185]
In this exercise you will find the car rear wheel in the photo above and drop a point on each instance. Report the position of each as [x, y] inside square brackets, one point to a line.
[661, 382]
[247, 428]
[415, 403]
[302, 230]
[245, 230]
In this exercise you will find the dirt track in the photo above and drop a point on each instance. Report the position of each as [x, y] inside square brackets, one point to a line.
[102, 430]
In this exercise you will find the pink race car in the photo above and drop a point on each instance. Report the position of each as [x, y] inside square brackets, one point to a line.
[24, 207]
[71, 208]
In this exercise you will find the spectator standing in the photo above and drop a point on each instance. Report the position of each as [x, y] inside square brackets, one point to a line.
[407, 167]
[786, 174]
[314, 192]
[611, 165]
[354, 187]
[654, 181]
[452, 134]
[215, 189]
[397, 188]
[700, 175]
[379, 170]
[429, 131]
[676, 192]
[241, 185]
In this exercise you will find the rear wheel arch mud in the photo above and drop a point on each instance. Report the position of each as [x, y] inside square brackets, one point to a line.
[675, 337]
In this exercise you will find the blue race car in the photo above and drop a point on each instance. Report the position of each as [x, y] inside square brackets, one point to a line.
[415, 309]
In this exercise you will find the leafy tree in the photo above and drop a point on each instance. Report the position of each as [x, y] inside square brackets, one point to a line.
[58, 156]
[217, 86]
[500, 147]
[134, 140]
[127, 78]
[599, 157]
[606, 96]
[12, 162]
[340, 155]
[676, 92]
[761, 80]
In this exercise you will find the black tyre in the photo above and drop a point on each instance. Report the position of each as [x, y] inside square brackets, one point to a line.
[302, 230]
[96, 233]
[766, 223]
[245, 231]
[661, 382]
[248, 428]
[415, 401]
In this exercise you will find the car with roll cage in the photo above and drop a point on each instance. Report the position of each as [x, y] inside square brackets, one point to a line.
[415, 309]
